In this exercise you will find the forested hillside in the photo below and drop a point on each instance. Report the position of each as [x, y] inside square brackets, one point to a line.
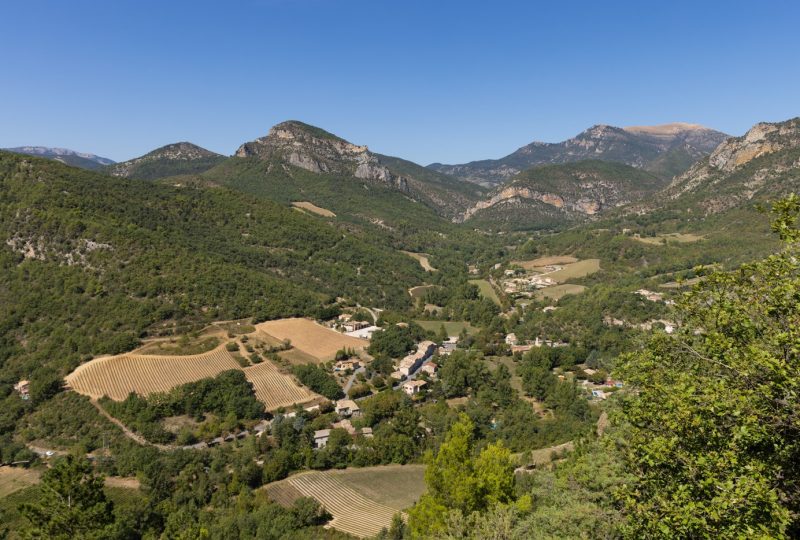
[90, 263]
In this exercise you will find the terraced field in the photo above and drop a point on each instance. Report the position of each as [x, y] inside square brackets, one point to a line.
[118, 376]
[275, 389]
[362, 501]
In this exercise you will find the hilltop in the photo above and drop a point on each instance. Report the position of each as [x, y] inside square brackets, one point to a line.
[64, 155]
[665, 150]
[170, 160]
[298, 162]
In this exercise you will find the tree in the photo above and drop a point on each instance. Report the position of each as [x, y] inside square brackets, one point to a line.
[72, 503]
[460, 483]
[714, 425]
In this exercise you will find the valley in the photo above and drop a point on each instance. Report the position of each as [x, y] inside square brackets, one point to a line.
[307, 323]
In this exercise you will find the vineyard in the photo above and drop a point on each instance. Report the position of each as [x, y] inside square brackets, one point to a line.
[118, 376]
[310, 337]
[361, 501]
[275, 389]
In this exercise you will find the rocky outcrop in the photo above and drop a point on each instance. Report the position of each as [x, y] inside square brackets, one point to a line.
[735, 171]
[665, 150]
[64, 155]
[315, 150]
[567, 192]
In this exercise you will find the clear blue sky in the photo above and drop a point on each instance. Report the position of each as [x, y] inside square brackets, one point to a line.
[433, 80]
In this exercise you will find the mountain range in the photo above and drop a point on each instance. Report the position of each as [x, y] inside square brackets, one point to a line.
[64, 155]
[665, 150]
[540, 186]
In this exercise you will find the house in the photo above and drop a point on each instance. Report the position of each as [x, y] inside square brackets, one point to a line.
[344, 365]
[347, 407]
[413, 387]
[23, 388]
[429, 368]
[521, 348]
[511, 339]
[397, 375]
[366, 432]
[321, 437]
[345, 425]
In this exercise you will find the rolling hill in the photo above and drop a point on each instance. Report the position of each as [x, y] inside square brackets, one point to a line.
[64, 155]
[665, 150]
[170, 160]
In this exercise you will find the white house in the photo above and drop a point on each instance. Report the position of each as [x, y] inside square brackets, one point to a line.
[413, 387]
[321, 437]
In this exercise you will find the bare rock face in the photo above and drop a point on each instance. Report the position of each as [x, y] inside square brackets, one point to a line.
[665, 150]
[732, 156]
[318, 151]
[573, 191]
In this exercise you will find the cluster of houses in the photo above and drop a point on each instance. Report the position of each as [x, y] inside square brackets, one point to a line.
[525, 285]
[411, 363]
[669, 326]
[345, 409]
[516, 346]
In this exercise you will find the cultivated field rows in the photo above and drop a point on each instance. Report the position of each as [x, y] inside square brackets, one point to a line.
[118, 376]
[352, 512]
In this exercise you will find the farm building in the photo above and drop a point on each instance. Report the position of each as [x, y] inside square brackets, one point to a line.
[321, 437]
[363, 333]
[413, 387]
[354, 326]
[347, 407]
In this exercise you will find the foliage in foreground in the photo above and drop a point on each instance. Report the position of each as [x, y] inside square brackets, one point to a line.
[714, 429]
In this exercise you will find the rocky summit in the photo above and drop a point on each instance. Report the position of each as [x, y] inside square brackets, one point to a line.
[664, 150]
[64, 155]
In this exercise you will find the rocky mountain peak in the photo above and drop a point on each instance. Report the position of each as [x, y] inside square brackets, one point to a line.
[314, 149]
[176, 158]
[733, 172]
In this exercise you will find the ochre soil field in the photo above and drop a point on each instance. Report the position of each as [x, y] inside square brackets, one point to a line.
[275, 389]
[311, 338]
[313, 208]
[362, 501]
[118, 376]
[545, 261]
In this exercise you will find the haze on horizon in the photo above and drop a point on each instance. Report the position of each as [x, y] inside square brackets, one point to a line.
[450, 82]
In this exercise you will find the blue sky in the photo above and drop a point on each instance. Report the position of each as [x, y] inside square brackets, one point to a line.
[434, 80]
